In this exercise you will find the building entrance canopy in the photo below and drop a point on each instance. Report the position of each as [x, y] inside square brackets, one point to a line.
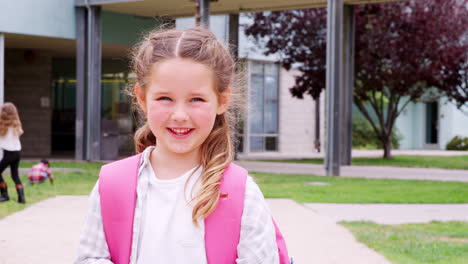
[182, 8]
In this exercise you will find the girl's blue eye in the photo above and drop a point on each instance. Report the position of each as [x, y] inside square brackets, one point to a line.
[163, 98]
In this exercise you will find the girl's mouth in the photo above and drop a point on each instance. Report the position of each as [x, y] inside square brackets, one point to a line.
[180, 132]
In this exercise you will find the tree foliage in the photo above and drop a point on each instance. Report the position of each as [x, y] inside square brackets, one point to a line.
[405, 52]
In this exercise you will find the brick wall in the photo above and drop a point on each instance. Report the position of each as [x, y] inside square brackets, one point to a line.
[26, 82]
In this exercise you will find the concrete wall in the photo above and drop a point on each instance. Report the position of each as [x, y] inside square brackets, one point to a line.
[453, 122]
[56, 19]
[296, 118]
[27, 85]
[460, 125]
[49, 18]
[410, 125]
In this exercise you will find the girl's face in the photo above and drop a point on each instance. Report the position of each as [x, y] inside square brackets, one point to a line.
[181, 105]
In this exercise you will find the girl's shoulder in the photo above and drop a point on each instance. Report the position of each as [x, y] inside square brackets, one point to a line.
[123, 170]
[242, 177]
[235, 174]
[237, 179]
[133, 161]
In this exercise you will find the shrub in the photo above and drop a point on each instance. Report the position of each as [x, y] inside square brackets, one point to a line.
[365, 137]
[458, 143]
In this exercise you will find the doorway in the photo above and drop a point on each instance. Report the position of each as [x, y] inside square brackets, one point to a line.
[431, 126]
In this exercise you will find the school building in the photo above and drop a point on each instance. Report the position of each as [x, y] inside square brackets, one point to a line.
[38, 43]
[40, 73]
[66, 112]
[432, 125]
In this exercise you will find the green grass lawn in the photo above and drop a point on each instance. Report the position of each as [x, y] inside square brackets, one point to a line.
[435, 242]
[340, 190]
[454, 162]
[359, 190]
[91, 166]
[72, 183]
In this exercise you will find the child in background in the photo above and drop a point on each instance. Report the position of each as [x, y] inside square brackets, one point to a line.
[184, 84]
[10, 132]
[41, 172]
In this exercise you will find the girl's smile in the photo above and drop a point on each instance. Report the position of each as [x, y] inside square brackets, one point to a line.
[181, 133]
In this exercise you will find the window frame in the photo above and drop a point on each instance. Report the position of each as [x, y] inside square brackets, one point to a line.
[246, 148]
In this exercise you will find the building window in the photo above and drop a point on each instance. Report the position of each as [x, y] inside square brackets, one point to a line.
[263, 107]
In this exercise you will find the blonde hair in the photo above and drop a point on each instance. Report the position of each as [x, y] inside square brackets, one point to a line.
[201, 46]
[9, 118]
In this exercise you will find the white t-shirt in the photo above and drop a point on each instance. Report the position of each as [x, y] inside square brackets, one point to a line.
[10, 141]
[167, 213]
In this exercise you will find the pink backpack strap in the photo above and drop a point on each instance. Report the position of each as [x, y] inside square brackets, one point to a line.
[282, 249]
[117, 189]
[222, 227]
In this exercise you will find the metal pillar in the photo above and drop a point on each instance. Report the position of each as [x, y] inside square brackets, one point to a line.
[2, 68]
[348, 86]
[205, 13]
[88, 118]
[234, 34]
[80, 121]
[334, 82]
[94, 83]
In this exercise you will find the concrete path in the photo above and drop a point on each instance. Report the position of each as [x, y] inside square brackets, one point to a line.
[355, 153]
[48, 232]
[25, 171]
[377, 172]
[392, 214]
[45, 232]
[312, 154]
[315, 238]
[408, 152]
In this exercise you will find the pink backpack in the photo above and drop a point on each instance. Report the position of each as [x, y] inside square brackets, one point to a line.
[117, 189]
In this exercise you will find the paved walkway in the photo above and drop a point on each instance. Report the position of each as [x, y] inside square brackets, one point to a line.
[356, 153]
[377, 172]
[316, 238]
[49, 231]
[45, 232]
[25, 171]
[392, 214]
[279, 156]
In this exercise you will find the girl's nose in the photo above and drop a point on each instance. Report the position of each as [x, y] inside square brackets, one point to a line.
[179, 114]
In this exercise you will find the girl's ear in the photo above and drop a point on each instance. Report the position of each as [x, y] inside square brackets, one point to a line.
[140, 96]
[224, 100]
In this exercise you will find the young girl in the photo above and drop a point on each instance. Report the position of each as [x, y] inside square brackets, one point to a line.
[10, 132]
[184, 84]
